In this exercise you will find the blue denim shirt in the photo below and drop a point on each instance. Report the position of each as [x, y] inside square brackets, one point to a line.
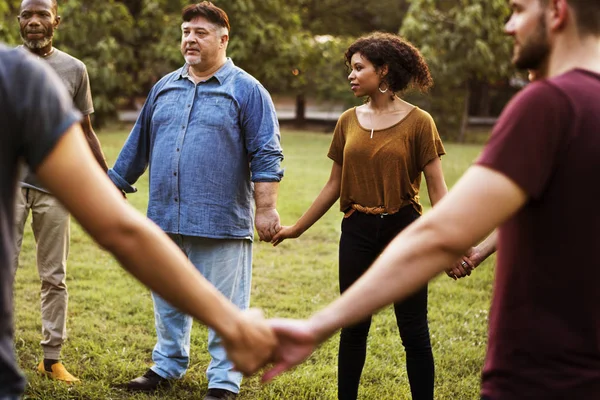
[205, 144]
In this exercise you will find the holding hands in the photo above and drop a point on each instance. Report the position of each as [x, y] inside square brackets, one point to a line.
[473, 257]
[267, 223]
[464, 266]
[286, 232]
[297, 341]
[252, 344]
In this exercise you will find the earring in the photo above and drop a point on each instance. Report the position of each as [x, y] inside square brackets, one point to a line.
[386, 87]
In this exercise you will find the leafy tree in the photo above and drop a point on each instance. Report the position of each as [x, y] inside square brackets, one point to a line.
[464, 43]
[9, 28]
[351, 18]
[128, 45]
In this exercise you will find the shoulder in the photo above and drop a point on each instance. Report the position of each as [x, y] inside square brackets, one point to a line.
[167, 79]
[67, 59]
[240, 77]
[349, 115]
[346, 121]
[421, 114]
[18, 63]
[536, 99]
[13, 58]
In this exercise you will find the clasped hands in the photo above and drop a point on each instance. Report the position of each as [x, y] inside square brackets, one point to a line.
[465, 265]
[280, 343]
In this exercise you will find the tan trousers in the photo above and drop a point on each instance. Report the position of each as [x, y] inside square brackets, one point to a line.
[51, 229]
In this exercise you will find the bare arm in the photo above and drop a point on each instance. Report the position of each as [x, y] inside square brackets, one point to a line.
[479, 202]
[434, 176]
[267, 218]
[93, 142]
[326, 198]
[142, 248]
[484, 249]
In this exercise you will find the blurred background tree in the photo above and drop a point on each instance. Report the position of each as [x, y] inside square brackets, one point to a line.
[467, 51]
[294, 47]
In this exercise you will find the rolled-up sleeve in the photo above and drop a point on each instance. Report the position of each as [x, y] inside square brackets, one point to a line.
[135, 154]
[261, 133]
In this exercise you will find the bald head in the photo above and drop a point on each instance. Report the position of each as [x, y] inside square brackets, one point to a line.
[37, 21]
[52, 4]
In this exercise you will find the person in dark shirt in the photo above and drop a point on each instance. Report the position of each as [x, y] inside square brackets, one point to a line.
[532, 181]
[41, 128]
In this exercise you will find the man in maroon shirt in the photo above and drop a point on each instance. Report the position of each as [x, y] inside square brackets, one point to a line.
[536, 181]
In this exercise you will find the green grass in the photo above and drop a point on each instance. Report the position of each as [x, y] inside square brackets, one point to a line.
[111, 324]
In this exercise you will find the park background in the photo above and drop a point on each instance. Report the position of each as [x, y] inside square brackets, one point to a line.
[295, 48]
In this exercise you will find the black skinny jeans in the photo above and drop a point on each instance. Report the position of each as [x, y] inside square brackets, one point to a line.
[363, 238]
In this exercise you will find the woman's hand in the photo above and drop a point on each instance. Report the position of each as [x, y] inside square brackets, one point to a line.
[286, 232]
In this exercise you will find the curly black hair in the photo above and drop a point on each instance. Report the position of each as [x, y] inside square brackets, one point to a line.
[405, 63]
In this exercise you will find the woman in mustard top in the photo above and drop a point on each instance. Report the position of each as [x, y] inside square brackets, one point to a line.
[379, 151]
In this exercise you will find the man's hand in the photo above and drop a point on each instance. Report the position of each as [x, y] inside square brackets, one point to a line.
[286, 232]
[296, 343]
[254, 346]
[267, 223]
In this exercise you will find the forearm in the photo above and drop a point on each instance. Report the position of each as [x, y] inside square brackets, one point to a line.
[478, 203]
[94, 143]
[436, 192]
[487, 247]
[138, 244]
[326, 198]
[142, 248]
[392, 277]
[265, 195]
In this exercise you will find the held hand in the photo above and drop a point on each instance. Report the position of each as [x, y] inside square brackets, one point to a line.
[286, 232]
[465, 265]
[460, 269]
[296, 343]
[255, 347]
[267, 223]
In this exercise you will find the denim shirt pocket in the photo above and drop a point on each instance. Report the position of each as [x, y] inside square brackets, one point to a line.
[216, 112]
[164, 111]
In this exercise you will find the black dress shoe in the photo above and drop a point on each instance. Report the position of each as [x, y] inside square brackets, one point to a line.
[148, 382]
[220, 394]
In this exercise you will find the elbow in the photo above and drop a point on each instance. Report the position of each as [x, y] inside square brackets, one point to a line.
[119, 235]
[449, 240]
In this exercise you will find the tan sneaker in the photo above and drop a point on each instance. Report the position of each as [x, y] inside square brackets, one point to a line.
[59, 373]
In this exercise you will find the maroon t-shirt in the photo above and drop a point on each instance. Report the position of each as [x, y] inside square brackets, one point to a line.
[544, 332]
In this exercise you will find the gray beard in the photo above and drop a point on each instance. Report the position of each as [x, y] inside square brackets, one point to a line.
[37, 44]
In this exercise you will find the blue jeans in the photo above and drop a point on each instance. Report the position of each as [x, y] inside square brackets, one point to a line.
[227, 264]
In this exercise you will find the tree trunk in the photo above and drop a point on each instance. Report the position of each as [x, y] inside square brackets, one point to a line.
[484, 100]
[300, 110]
[465, 117]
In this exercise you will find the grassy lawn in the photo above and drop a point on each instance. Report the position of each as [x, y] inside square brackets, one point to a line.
[111, 324]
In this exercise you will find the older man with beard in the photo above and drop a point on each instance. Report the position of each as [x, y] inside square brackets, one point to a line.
[38, 20]
[535, 180]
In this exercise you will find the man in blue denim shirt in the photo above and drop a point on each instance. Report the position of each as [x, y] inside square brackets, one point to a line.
[209, 134]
